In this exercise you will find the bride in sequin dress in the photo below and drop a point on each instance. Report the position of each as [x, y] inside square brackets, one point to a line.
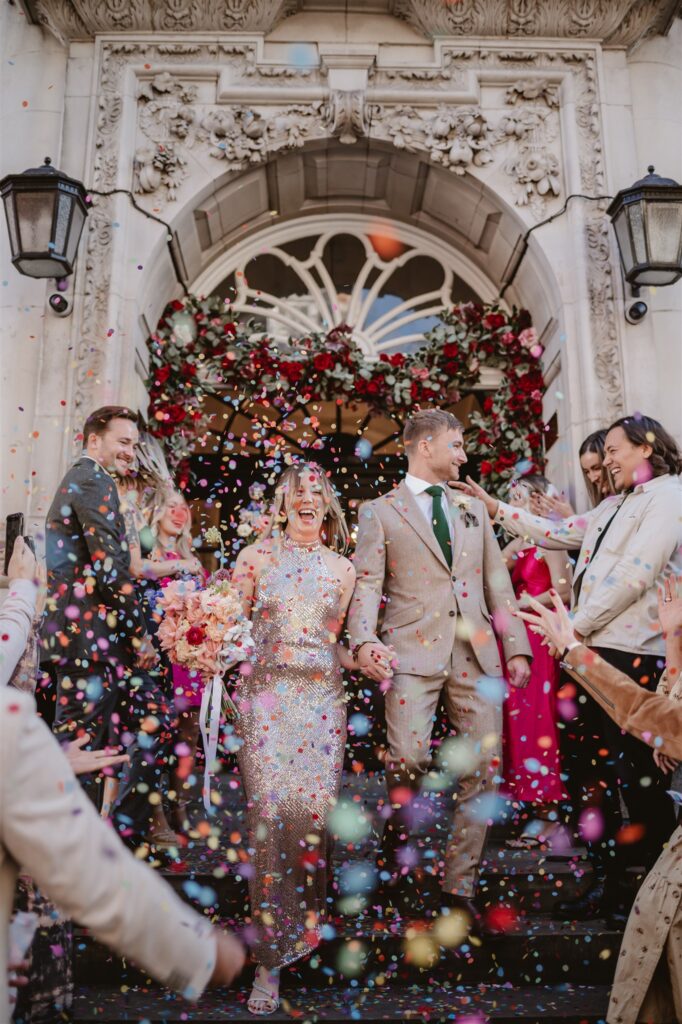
[296, 588]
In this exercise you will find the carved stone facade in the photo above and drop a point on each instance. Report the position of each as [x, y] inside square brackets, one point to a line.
[515, 126]
[467, 123]
[616, 24]
[172, 120]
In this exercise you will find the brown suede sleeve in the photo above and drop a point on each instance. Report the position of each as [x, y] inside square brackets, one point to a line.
[649, 716]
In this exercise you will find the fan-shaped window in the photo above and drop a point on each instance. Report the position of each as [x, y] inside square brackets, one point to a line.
[388, 288]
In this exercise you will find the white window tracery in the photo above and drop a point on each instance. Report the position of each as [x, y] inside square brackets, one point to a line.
[387, 280]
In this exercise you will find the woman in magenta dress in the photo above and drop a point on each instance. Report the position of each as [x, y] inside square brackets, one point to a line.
[531, 742]
[171, 527]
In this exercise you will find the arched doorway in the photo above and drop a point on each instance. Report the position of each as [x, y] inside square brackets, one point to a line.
[307, 275]
[386, 280]
[274, 228]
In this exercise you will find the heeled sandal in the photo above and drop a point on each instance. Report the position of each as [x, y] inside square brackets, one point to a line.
[271, 1001]
[165, 838]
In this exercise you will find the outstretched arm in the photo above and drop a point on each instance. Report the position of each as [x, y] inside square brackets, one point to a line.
[51, 829]
[556, 534]
[370, 568]
[651, 717]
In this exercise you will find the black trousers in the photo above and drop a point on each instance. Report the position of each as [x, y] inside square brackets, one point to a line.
[125, 707]
[600, 762]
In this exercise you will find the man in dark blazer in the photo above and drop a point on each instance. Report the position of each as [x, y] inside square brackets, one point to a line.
[93, 629]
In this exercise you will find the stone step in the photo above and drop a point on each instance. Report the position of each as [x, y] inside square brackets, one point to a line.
[532, 950]
[530, 881]
[565, 1004]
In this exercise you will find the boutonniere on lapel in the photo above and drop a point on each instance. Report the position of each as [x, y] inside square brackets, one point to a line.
[463, 505]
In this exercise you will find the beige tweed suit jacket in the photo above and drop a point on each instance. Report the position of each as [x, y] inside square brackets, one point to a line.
[428, 607]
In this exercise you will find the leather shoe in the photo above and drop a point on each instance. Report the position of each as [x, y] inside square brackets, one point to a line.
[583, 908]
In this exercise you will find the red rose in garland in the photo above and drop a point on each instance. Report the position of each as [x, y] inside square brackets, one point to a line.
[493, 321]
[396, 359]
[195, 636]
[291, 370]
[324, 361]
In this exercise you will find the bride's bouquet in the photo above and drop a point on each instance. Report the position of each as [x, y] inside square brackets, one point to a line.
[204, 629]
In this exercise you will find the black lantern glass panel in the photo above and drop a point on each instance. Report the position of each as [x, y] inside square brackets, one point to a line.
[45, 213]
[647, 220]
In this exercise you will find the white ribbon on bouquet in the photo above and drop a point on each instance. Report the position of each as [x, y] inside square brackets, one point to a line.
[209, 721]
[214, 700]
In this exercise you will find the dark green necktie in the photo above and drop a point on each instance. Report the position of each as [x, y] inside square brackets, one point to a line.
[439, 521]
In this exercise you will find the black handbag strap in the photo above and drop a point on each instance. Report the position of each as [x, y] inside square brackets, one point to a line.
[578, 581]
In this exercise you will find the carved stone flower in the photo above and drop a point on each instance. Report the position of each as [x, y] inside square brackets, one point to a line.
[540, 170]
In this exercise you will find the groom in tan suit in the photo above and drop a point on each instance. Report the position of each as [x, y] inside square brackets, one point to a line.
[435, 561]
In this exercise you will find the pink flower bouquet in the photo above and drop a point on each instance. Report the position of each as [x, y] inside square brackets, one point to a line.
[205, 629]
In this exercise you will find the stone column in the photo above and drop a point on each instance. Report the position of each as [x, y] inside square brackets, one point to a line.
[34, 342]
[654, 348]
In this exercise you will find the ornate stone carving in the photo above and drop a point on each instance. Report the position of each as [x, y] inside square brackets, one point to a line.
[607, 360]
[347, 115]
[457, 136]
[90, 352]
[615, 24]
[159, 166]
[236, 135]
[536, 169]
[533, 89]
[83, 19]
[166, 119]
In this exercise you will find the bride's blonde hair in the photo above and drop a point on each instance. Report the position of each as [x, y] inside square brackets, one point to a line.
[334, 529]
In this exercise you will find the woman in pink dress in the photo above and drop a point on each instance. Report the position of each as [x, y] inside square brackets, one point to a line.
[531, 742]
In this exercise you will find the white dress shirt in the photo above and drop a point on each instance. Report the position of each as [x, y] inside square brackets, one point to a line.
[425, 501]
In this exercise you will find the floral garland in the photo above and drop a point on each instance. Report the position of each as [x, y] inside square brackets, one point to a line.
[198, 348]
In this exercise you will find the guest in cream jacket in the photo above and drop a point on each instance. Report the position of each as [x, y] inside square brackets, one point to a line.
[51, 830]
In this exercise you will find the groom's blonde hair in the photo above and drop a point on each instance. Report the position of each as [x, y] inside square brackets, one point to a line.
[427, 423]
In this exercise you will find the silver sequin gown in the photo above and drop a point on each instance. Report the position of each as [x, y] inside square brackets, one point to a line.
[293, 728]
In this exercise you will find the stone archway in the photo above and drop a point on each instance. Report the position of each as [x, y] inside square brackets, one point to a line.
[330, 188]
[474, 145]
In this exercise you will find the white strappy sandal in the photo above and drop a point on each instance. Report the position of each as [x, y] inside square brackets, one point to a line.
[271, 1002]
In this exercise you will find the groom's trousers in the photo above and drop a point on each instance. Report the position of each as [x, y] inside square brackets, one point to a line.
[473, 759]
